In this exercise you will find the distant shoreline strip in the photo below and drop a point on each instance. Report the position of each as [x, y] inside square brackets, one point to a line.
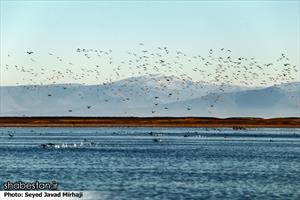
[292, 122]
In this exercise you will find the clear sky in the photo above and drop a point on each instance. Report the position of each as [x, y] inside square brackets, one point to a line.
[260, 29]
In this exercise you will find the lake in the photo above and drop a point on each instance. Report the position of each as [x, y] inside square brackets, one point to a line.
[157, 163]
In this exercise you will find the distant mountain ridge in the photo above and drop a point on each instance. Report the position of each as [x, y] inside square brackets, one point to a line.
[151, 95]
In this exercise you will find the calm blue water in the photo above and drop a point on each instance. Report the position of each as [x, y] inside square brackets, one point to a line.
[126, 163]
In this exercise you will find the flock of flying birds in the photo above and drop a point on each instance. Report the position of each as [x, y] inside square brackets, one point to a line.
[218, 67]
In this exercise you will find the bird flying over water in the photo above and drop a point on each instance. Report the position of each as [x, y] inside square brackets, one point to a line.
[176, 68]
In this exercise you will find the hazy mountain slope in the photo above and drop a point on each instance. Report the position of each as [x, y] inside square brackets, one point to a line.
[153, 95]
[268, 102]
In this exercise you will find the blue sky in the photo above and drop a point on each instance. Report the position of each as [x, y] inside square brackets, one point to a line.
[260, 29]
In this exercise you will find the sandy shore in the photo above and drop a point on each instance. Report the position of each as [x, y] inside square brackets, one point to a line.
[147, 122]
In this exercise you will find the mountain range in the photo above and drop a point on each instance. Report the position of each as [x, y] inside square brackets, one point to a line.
[151, 95]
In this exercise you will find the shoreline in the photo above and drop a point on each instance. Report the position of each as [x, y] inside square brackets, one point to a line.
[197, 122]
